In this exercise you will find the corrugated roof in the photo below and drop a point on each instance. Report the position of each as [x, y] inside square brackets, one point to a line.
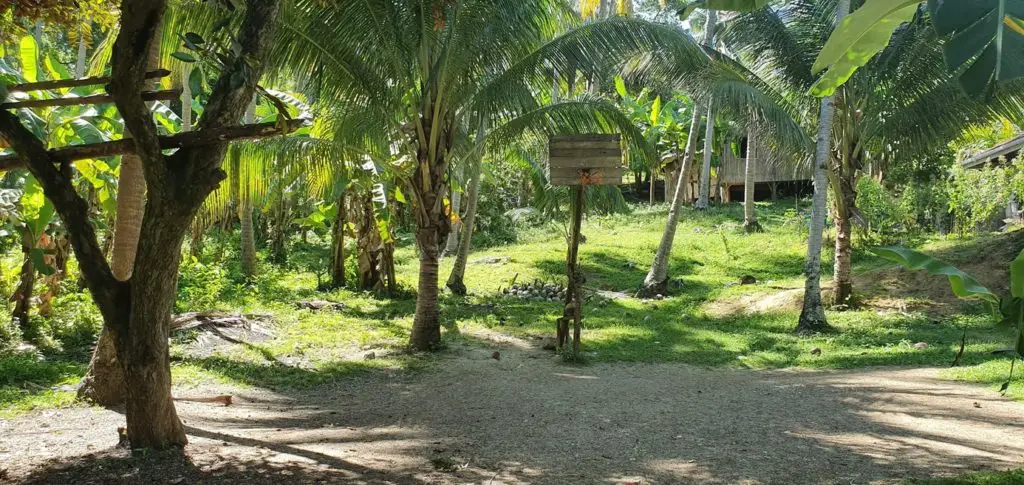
[999, 150]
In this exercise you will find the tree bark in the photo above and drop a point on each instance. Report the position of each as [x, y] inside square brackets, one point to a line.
[812, 316]
[338, 244]
[243, 202]
[456, 280]
[750, 223]
[656, 281]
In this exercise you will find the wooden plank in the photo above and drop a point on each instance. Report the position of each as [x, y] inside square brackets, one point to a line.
[166, 95]
[601, 176]
[586, 162]
[187, 139]
[74, 83]
[560, 152]
[571, 138]
[585, 145]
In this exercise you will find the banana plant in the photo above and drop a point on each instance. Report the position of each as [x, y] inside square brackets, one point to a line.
[1009, 309]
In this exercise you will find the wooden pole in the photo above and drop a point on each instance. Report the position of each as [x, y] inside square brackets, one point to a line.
[181, 140]
[573, 302]
[74, 83]
[165, 95]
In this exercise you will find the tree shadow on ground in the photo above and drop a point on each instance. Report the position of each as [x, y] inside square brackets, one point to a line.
[478, 420]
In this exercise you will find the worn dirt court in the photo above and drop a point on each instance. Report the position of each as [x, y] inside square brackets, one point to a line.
[529, 419]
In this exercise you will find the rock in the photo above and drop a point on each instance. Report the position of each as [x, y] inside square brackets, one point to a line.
[496, 355]
[748, 280]
[549, 343]
[816, 351]
[370, 356]
[659, 296]
[920, 345]
[976, 404]
[647, 318]
[319, 305]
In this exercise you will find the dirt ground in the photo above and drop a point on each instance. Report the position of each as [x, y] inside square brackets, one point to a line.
[527, 418]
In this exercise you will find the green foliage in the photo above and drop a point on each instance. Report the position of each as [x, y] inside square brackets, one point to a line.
[200, 285]
[887, 220]
[977, 196]
[862, 35]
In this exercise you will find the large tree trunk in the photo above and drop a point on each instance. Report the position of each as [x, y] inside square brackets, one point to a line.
[750, 223]
[369, 246]
[656, 281]
[338, 244]
[456, 279]
[812, 317]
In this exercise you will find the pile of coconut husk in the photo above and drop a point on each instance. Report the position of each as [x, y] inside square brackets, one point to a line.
[538, 290]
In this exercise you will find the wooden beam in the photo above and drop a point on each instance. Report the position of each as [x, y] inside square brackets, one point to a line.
[558, 152]
[181, 140]
[74, 83]
[587, 138]
[165, 95]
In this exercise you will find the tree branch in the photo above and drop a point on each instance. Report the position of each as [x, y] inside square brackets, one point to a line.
[74, 83]
[73, 210]
[164, 95]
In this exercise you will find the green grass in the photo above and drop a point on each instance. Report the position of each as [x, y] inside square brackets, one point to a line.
[710, 255]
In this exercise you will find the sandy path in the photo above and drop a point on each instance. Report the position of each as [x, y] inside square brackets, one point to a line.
[529, 419]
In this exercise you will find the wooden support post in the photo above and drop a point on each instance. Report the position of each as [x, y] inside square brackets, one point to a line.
[573, 296]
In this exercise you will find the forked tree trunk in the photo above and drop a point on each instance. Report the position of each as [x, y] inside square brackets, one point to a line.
[104, 382]
[812, 316]
[338, 244]
[750, 223]
[656, 281]
[369, 247]
[456, 280]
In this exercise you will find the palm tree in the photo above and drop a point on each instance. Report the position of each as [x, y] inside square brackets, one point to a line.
[901, 102]
[709, 135]
[750, 223]
[438, 62]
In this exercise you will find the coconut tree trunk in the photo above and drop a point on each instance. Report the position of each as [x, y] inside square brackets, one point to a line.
[750, 223]
[244, 204]
[456, 279]
[338, 244]
[657, 278]
[82, 51]
[426, 328]
[709, 135]
[104, 382]
[845, 205]
[452, 245]
[812, 316]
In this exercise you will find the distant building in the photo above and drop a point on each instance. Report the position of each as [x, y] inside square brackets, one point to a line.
[773, 180]
[1004, 151]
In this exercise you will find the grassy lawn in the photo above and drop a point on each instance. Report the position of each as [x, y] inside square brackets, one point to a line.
[702, 322]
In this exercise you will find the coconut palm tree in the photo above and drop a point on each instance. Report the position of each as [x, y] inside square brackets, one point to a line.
[436, 63]
[901, 102]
